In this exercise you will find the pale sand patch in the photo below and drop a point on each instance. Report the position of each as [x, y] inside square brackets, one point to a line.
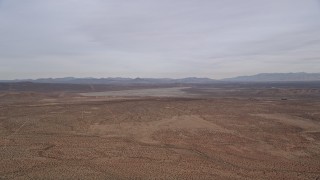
[154, 92]
[48, 100]
[143, 130]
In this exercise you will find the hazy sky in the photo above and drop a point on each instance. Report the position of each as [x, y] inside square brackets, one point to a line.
[157, 38]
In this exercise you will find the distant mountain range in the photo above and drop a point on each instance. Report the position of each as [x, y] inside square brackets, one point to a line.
[276, 77]
[264, 77]
[118, 80]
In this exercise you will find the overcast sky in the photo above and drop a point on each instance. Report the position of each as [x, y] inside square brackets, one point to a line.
[157, 38]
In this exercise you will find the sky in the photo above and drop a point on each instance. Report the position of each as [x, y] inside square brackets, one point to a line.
[157, 38]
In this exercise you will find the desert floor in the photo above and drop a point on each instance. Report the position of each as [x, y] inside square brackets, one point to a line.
[199, 132]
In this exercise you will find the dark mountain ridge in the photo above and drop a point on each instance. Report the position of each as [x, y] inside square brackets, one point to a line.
[263, 77]
[117, 80]
[276, 77]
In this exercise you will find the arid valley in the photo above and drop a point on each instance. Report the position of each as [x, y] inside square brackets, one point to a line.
[222, 131]
[159, 89]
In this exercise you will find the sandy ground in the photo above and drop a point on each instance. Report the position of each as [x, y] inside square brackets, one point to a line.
[75, 137]
[154, 92]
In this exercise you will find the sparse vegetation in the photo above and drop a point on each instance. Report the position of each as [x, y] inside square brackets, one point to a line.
[216, 133]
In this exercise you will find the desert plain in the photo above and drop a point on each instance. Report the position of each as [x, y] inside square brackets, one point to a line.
[213, 131]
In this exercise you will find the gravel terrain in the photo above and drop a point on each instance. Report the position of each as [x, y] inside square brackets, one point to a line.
[61, 135]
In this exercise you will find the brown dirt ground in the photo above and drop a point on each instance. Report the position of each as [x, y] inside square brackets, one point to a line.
[68, 136]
